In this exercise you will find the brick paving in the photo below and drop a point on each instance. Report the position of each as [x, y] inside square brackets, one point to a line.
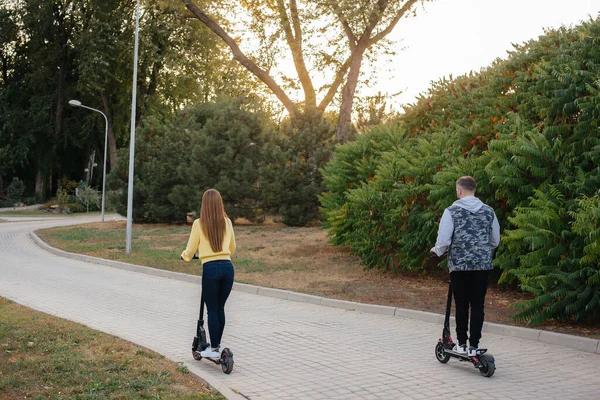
[283, 349]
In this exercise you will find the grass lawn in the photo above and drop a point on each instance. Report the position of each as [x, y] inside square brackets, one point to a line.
[45, 357]
[297, 259]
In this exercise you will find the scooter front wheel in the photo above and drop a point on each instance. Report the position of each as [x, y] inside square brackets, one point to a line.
[440, 353]
[487, 365]
[196, 355]
[226, 361]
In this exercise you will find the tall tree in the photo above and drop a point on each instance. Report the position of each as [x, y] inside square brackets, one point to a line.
[47, 58]
[104, 63]
[55, 50]
[13, 142]
[179, 64]
[8, 41]
[327, 37]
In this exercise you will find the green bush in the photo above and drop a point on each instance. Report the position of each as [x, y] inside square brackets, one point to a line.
[351, 164]
[88, 197]
[40, 198]
[226, 155]
[215, 145]
[290, 172]
[5, 203]
[389, 215]
[76, 208]
[16, 190]
[527, 129]
[29, 201]
[552, 169]
[67, 184]
[63, 198]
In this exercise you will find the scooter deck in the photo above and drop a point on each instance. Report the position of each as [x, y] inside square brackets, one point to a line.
[216, 360]
[465, 356]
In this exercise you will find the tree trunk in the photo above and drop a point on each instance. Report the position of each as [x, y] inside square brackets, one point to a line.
[345, 119]
[156, 67]
[39, 182]
[240, 57]
[60, 96]
[4, 69]
[63, 49]
[294, 41]
[112, 141]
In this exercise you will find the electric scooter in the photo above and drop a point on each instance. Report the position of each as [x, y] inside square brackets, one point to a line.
[200, 344]
[444, 349]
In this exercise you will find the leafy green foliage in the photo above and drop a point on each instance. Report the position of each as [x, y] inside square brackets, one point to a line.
[225, 146]
[52, 51]
[527, 129]
[68, 184]
[225, 154]
[291, 169]
[351, 164]
[88, 196]
[16, 189]
[62, 198]
[216, 145]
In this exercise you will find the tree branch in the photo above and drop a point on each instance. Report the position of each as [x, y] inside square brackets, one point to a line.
[186, 16]
[393, 23]
[242, 59]
[373, 21]
[4, 64]
[339, 78]
[351, 37]
[295, 45]
[296, 22]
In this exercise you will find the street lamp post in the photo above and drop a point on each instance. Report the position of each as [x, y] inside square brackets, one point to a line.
[132, 135]
[77, 103]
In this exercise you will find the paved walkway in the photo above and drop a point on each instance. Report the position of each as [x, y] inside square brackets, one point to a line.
[283, 349]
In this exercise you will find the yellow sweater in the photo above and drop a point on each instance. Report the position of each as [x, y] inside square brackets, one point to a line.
[200, 243]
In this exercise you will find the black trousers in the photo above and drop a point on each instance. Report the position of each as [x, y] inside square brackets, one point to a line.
[469, 289]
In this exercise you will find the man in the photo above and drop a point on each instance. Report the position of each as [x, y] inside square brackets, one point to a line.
[469, 231]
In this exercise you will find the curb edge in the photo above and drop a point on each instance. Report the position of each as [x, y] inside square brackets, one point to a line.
[584, 344]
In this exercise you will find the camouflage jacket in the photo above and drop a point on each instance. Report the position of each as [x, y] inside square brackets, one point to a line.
[469, 230]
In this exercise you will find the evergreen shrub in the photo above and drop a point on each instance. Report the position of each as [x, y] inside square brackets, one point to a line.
[527, 129]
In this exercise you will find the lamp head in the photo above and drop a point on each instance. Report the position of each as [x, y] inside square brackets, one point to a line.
[75, 103]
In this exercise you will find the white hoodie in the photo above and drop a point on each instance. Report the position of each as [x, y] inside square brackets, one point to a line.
[446, 229]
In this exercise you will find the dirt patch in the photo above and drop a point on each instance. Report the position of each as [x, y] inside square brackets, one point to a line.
[301, 259]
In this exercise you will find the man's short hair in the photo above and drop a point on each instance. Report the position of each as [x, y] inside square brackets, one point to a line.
[467, 183]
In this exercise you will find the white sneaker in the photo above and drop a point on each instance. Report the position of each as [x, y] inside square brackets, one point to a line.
[460, 349]
[211, 353]
[473, 351]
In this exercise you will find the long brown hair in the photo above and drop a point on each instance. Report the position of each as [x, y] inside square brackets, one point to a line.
[212, 218]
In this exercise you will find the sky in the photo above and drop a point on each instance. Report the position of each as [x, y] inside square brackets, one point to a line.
[457, 36]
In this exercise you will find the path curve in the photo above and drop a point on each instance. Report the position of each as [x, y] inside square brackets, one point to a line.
[283, 349]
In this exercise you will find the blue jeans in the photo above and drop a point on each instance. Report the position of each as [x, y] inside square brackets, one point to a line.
[217, 281]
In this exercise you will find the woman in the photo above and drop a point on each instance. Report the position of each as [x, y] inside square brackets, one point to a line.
[213, 239]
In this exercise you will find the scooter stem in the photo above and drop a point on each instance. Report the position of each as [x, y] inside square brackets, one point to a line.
[448, 306]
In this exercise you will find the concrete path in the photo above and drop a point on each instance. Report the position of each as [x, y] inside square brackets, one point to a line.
[283, 349]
